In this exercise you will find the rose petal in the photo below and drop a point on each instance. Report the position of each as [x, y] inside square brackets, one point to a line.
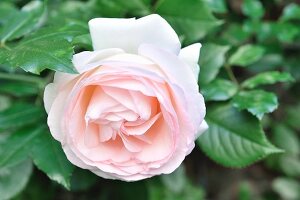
[129, 34]
[142, 128]
[162, 143]
[181, 78]
[144, 104]
[112, 150]
[50, 94]
[87, 60]
[91, 135]
[129, 83]
[73, 158]
[131, 144]
[61, 79]
[52, 89]
[121, 96]
[174, 69]
[203, 127]
[105, 133]
[128, 115]
[172, 163]
[56, 114]
[190, 55]
[100, 102]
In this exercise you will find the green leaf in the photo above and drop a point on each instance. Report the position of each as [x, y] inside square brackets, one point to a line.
[246, 55]
[119, 8]
[253, 9]
[257, 102]
[104, 8]
[135, 7]
[5, 102]
[286, 32]
[291, 65]
[287, 188]
[14, 179]
[41, 54]
[292, 116]
[234, 139]
[174, 186]
[178, 177]
[190, 18]
[267, 63]
[70, 11]
[67, 32]
[47, 48]
[20, 114]
[6, 11]
[82, 179]
[3, 56]
[291, 12]
[252, 26]
[83, 41]
[234, 34]
[265, 30]
[211, 60]
[264, 78]
[22, 22]
[290, 165]
[48, 156]
[245, 192]
[17, 147]
[285, 138]
[219, 90]
[218, 6]
[19, 89]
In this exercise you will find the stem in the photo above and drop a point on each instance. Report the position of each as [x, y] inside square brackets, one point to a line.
[24, 78]
[231, 75]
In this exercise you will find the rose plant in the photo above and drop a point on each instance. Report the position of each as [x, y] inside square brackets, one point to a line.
[134, 109]
[112, 87]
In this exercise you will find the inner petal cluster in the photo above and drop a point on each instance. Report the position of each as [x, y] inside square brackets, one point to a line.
[119, 114]
[116, 123]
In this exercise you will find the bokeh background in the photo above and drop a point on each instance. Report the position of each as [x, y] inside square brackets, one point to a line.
[222, 26]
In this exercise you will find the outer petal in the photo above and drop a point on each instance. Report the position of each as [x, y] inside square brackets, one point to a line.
[61, 79]
[179, 74]
[56, 113]
[190, 55]
[52, 89]
[86, 60]
[49, 96]
[203, 127]
[129, 34]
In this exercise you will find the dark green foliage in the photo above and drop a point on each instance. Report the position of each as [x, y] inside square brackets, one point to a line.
[249, 78]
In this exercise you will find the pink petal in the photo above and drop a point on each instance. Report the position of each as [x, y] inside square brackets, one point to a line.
[121, 96]
[91, 135]
[181, 78]
[105, 133]
[131, 144]
[100, 102]
[142, 128]
[162, 143]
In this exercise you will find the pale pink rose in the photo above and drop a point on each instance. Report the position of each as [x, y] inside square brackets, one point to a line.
[134, 110]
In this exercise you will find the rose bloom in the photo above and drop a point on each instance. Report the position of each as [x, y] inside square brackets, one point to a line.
[134, 109]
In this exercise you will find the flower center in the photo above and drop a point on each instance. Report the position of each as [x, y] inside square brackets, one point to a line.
[118, 113]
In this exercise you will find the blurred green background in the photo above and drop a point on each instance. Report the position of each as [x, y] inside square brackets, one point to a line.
[270, 27]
